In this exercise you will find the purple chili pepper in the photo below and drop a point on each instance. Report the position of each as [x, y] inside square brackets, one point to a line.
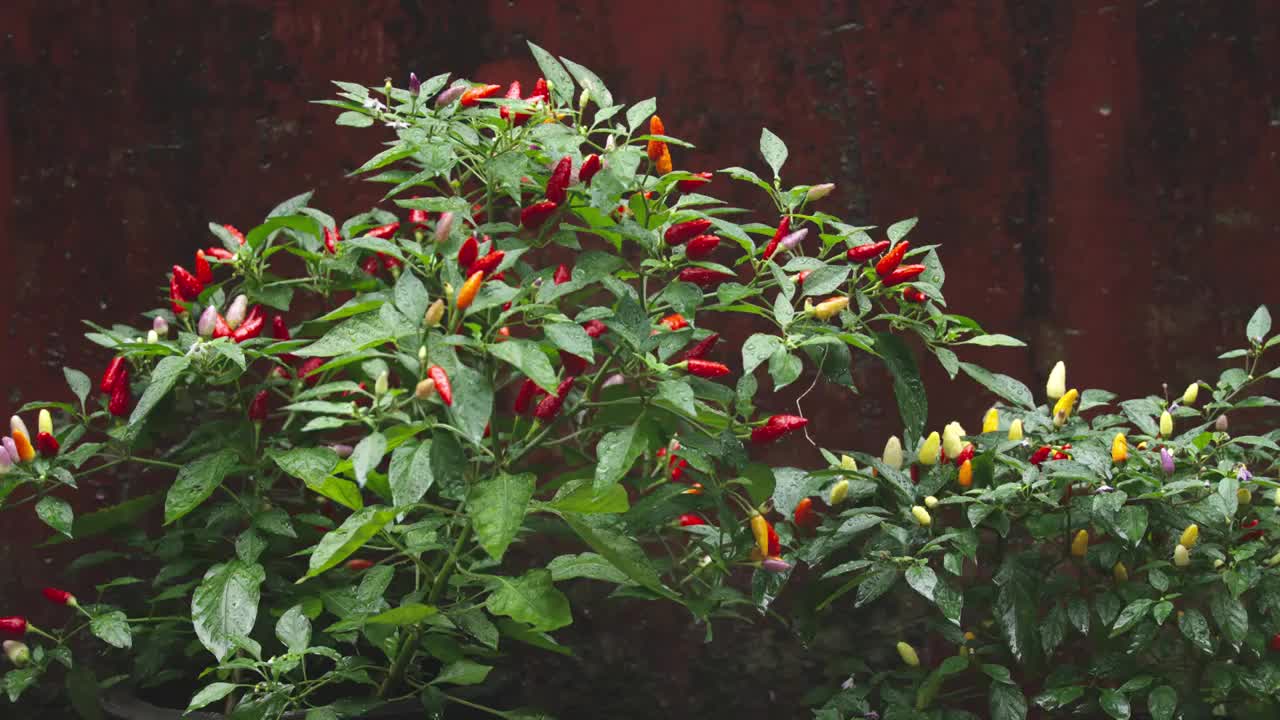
[208, 319]
[1166, 461]
[344, 451]
[10, 447]
[776, 565]
[791, 240]
[449, 96]
[160, 325]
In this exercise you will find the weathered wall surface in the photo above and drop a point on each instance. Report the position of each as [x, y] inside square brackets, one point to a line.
[1101, 175]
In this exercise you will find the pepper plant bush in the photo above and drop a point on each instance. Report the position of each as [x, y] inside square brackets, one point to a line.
[1087, 557]
[336, 431]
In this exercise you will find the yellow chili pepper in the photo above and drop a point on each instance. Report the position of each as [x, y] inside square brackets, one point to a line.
[1080, 544]
[1062, 409]
[1119, 448]
[991, 421]
[928, 454]
[921, 515]
[1166, 424]
[1120, 572]
[1015, 430]
[1189, 536]
[760, 529]
[827, 309]
[952, 439]
[892, 455]
[839, 492]
[908, 654]
[1181, 556]
[848, 464]
[1057, 384]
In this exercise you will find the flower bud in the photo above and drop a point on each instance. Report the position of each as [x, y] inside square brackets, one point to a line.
[160, 325]
[1166, 461]
[614, 379]
[921, 515]
[1056, 387]
[1218, 563]
[952, 442]
[1166, 424]
[436, 312]
[153, 337]
[1189, 536]
[208, 319]
[908, 654]
[839, 492]
[1015, 430]
[776, 565]
[381, 385]
[17, 652]
[1181, 556]
[424, 389]
[1191, 393]
[584, 97]
[1062, 408]
[928, 454]
[1080, 544]
[422, 354]
[991, 421]
[817, 192]
[415, 85]
[892, 455]
[443, 227]
[343, 451]
[236, 312]
[1221, 423]
[931, 502]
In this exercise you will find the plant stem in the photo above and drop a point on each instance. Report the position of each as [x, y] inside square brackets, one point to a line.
[474, 706]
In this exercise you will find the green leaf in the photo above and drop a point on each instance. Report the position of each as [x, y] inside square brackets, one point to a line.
[79, 383]
[758, 348]
[1161, 702]
[497, 507]
[1007, 702]
[294, 629]
[82, 689]
[367, 455]
[630, 322]
[560, 81]
[411, 296]
[586, 499]
[472, 401]
[113, 629]
[616, 452]
[349, 336]
[922, 580]
[410, 474]
[600, 94]
[680, 395]
[1196, 629]
[1002, 385]
[56, 513]
[351, 118]
[899, 230]
[1114, 703]
[608, 537]
[826, 279]
[163, 378]
[1259, 325]
[1231, 615]
[225, 604]
[994, 340]
[638, 113]
[1059, 697]
[876, 583]
[571, 338]
[354, 532]
[1132, 613]
[196, 481]
[586, 565]
[408, 614]
[532, 599]
[907, 386]
[211, 693]
[529, 359]
[107, 519]
[773, 150]
[463, 672]
[309, 464]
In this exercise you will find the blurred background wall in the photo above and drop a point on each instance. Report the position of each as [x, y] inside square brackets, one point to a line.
[1102, 175]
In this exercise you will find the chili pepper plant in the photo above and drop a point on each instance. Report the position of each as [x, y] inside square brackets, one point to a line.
[1084, 556]
[345, 444]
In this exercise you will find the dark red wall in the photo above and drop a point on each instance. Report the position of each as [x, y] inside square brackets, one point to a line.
[1102, 174]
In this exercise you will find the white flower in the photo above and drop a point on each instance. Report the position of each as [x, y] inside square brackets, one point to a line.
[372, 103]
[397, 125]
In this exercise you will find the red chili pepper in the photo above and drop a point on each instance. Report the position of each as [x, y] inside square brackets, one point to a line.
[572, 364]
[472, 96]
[258, 406]
[175, 297]
[189, 286]
[390, 262]
[775, 427]
[370, 265]
[13, 626]
[892, 259]
[690, 520]
[487, 264]
[784, 227]
[204, 273]
[252, 325]
[541, 91]
[966, 453]
[441, 380]
[358, 564]
[915, 474]
[692, 184]
[308, 371]
[905, 273]
[674, 321]
[116, 369]
[862, 253]
[595, 328]
[58, 597]
[468, 253]
[704, 276]
[562, 275]
[279, 330]
[911, 294]
[220, 327]
[590, 166]
[551, 404]
[677, 466]
[513, 93]
[235, 233]
[800, 276]
[697, 352]
[1041, 454]
[707, 368]
[805, 517]
[1251, 536]
[331, 240]
[528, 391]
[701, 246]
[418, 218]
[118, 405]
[775, 544]
[655, 148]
[1275, 643]
[383, 232]
[681, 233]
[47, 444]
[219, 253]
[538, 213]
[559, 180]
